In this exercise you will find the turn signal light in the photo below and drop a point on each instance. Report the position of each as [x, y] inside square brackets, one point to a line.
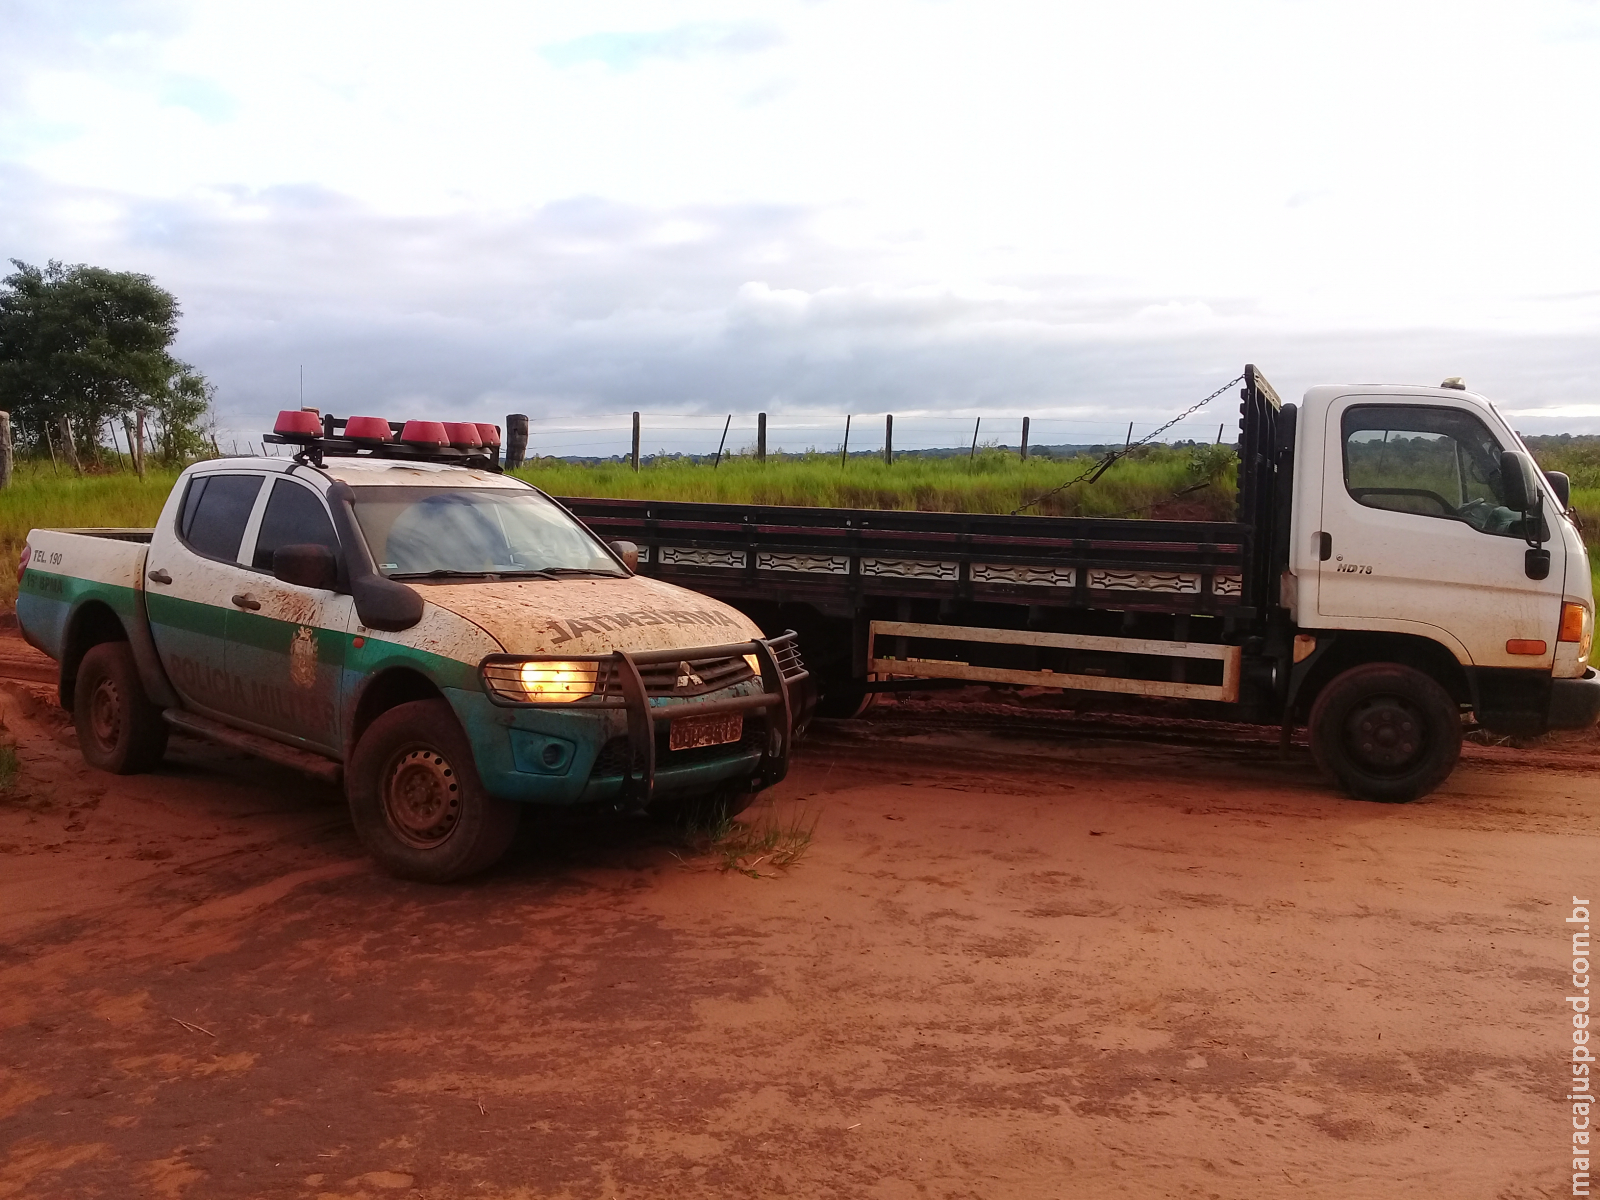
[1525, 646]
[1577, 625]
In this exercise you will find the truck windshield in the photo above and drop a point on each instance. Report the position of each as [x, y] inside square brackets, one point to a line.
[420, 531]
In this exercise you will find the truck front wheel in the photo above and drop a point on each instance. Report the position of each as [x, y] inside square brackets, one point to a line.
[1386, 732]
[416, 799]
[119, 730]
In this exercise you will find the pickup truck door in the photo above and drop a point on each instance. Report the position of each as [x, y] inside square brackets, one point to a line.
[288, 642]
[191, 573]
[1417, 533]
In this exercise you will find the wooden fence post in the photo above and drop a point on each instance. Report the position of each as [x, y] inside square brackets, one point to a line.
[888, 441]
[844, 451]
[974, 455]
[761, 437]
[5, 450]
[516, 439]
[723, 442]
[1024, 439]
[635, 441]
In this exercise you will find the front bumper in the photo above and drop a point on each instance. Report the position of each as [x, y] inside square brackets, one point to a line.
[640, 710]
[1575, 703]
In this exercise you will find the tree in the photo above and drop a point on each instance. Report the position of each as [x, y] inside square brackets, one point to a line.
[81, 346]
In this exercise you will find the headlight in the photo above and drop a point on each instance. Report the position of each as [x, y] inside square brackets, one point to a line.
[557, 682]
[542, 682]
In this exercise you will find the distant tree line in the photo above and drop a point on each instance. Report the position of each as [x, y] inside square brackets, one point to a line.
[83, 350]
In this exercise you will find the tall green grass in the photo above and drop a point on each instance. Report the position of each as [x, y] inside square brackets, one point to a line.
[994, 481]
[42, 499]
[1171, 482]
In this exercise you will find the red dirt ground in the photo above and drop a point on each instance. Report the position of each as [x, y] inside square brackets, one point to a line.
[1017, 961]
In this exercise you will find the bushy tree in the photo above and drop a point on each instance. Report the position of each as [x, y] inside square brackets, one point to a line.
[82, 346]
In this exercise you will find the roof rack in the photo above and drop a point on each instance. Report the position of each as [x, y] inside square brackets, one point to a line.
[459, 443]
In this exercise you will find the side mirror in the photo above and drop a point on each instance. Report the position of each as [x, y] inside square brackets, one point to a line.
[1562, 486]
[628, 553]
[309, 565]
[1519, 480]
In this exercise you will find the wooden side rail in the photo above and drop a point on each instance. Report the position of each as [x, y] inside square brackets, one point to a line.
[1229, 656]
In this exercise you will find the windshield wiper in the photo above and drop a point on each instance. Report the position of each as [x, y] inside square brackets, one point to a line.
[582, 571]
[443, 573]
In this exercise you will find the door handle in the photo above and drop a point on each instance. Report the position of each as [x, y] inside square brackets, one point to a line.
[1325, 546]
[247, 601]
[159, 576]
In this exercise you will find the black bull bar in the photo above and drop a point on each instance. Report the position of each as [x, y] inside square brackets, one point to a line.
[781, 672]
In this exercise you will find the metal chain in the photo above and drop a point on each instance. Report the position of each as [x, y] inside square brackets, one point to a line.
[1103, 465]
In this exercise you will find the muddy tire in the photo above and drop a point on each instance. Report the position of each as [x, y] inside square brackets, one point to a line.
[416, 799]
[1386, 732]
[119, 729]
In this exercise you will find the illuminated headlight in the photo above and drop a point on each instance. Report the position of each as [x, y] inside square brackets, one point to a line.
[542, 682]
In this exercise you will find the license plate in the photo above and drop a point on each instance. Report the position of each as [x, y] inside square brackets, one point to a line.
[716, 730]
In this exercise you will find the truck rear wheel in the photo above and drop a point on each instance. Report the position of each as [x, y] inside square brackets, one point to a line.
[1386, 732]
[119, 730]
[416, 799]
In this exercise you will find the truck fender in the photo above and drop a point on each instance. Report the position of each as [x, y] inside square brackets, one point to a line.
[1339, 650]
[94, 621]
[377, 695]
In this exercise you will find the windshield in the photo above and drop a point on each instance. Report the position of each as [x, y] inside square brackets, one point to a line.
[475, 531]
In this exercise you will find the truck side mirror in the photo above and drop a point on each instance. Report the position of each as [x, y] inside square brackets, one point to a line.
[628, 553]
[309, 565]
[1518, 480]
[1561, 486]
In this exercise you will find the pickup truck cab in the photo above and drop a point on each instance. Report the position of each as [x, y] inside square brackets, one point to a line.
[448, 640]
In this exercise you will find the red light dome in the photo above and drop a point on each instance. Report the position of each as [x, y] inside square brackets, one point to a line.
[292, 423]
[368, 429]
[489, 434]
[463, 435]
[429, 434]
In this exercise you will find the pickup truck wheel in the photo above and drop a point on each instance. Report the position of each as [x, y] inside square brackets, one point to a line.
[1386, 732]
[119, 730]
[416, 799]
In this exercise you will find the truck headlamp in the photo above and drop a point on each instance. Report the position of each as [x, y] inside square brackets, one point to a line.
[1577, 625]
[542, 682]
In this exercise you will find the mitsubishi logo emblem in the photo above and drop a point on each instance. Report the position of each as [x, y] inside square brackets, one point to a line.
[687, 678]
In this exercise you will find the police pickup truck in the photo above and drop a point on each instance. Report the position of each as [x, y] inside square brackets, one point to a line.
[386, 606]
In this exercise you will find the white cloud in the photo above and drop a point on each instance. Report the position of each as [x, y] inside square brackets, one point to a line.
[960, 206]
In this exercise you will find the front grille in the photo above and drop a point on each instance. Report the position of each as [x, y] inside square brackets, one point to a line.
[661, 679]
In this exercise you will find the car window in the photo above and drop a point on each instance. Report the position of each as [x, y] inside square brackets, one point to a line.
[294, 517]
[1429, 462]
[215, 512]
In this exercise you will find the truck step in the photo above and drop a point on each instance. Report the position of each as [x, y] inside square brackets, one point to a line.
[304, 761]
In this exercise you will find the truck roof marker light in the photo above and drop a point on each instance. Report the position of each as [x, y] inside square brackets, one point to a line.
[1533, 646]
[374, 430]
[297, 426]
[488, 434]
[463, 435]
[425, 433]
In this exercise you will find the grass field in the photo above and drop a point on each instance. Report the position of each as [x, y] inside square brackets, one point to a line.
[1173, 482]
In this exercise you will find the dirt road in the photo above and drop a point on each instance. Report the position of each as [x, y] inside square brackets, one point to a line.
[1007, 967]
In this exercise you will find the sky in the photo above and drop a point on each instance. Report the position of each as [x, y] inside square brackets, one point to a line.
[1088, 213]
